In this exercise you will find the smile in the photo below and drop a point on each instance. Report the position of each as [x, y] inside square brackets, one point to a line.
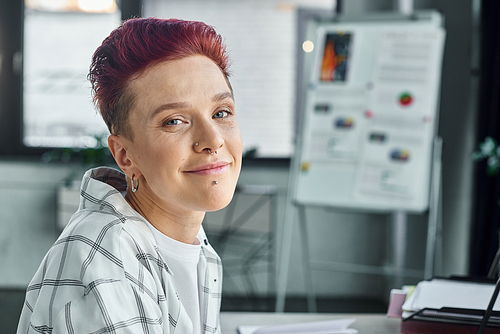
[210, 169]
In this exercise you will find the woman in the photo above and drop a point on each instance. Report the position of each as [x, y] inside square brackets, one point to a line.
[134, 257]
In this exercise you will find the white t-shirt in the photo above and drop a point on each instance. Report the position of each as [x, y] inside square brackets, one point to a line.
[183, 260]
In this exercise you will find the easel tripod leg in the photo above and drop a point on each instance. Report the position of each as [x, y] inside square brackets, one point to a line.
[306, 261]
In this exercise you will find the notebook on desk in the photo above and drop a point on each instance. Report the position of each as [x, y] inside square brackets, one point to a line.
[441, 292]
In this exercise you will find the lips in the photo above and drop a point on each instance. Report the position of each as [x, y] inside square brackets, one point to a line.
[210, 169]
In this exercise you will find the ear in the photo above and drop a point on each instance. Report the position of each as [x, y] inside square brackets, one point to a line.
[120, 148]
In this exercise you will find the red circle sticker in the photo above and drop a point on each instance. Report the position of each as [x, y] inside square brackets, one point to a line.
[405, 99]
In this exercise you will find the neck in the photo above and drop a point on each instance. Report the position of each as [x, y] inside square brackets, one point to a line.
[178, 224]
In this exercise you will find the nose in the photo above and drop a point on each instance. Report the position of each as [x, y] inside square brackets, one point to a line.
[208, 137]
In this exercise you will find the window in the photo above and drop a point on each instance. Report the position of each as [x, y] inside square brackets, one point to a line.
[56, 110]
[59, 40]
[11, 12]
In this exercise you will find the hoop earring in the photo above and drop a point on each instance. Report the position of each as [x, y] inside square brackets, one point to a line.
[133, 186]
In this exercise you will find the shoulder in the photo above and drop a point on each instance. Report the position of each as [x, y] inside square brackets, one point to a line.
[98, 261]
[98, 244]
[105, 258]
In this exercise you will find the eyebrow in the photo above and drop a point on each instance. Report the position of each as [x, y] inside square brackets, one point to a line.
[180, 105]
[223, 96]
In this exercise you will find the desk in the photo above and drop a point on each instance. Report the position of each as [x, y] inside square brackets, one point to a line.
[365, 323]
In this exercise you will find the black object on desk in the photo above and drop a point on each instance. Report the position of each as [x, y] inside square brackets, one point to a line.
[449, 321]
[489, 310]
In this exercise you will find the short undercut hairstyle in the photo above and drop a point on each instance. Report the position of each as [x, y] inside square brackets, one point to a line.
[137, 44]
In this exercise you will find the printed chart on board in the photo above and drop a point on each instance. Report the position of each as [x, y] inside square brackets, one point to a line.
[370, 115]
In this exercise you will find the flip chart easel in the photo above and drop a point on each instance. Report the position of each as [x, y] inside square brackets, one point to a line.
[367, 140]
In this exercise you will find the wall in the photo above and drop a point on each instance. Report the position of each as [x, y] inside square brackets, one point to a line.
[457, 128]
[28, 221]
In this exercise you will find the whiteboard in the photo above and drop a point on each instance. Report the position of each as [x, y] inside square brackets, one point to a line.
[370, 114]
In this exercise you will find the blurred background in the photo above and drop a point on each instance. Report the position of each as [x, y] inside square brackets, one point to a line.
[50, 133]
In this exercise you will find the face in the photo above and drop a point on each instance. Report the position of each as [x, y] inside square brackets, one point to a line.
[183, 110]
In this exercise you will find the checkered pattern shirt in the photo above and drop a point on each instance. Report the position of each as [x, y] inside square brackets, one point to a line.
[105, 274]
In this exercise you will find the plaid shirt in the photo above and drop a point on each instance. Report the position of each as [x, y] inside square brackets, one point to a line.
[104, 274]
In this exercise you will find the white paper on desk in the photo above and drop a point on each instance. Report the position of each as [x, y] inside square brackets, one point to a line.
[339, 326]
[440, 293]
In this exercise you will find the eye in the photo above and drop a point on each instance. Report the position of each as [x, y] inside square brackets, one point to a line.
[221, 114]
[173, 122]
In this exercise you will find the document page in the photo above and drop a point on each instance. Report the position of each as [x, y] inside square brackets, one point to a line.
[318, 327]
[440, 293]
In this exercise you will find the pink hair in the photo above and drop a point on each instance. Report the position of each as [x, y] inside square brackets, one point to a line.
[136, 44]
